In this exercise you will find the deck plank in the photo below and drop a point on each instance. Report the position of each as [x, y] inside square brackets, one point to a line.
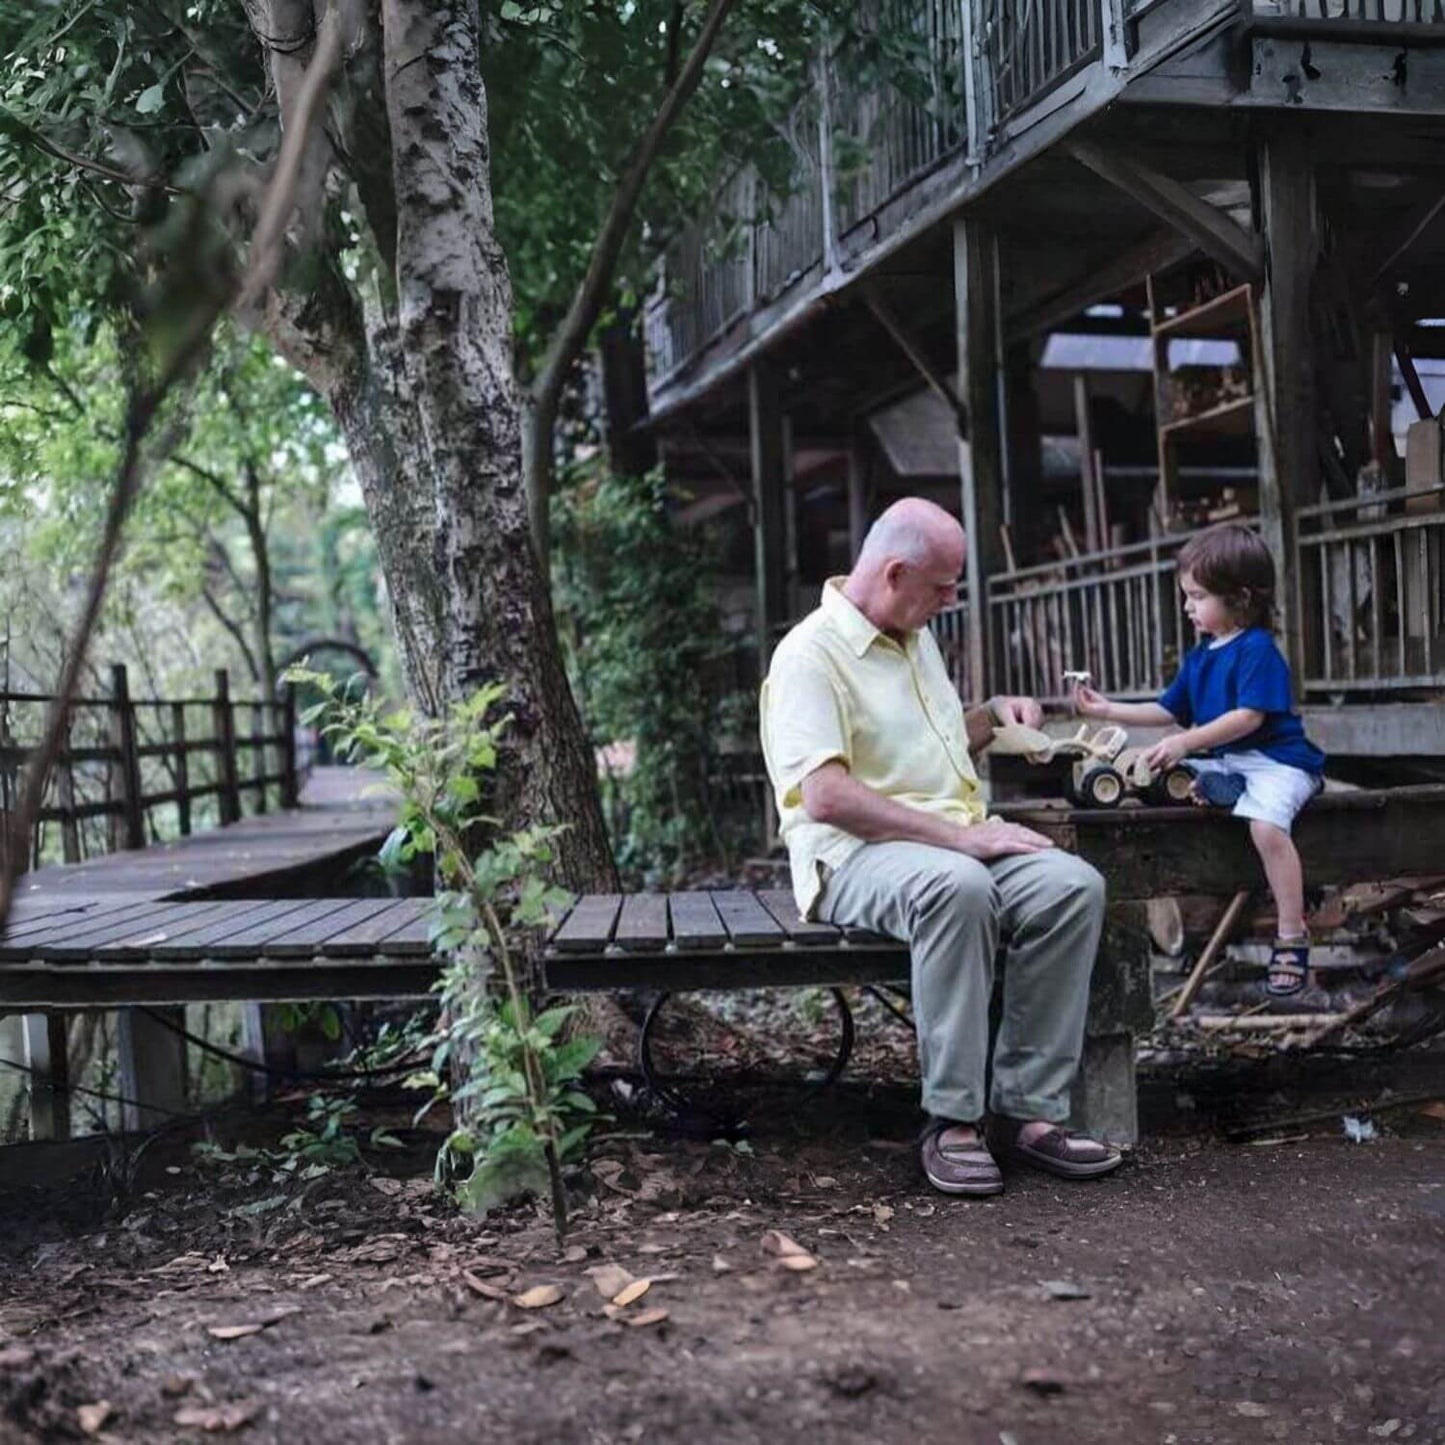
[359, 939]
[642, 923]
[695, 923]
[59, 929]
[781, 904]
[140, 942]
[588, 927]
[192, 943]
[281, 918]
[748, 923]
[413, 937]
[305, 940]
[78, 915]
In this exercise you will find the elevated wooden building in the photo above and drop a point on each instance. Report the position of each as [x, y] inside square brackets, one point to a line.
[1128, 267]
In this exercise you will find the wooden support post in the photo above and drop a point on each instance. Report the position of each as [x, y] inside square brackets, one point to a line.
[857, 498]
[290, 785]
[1286, 424]
[152, 1062]
[183, 768]
[48, 1060]
[1226, 925]
[768, 449]
[1094, 540]
[223, 727]
[127, 788]
[980, 468]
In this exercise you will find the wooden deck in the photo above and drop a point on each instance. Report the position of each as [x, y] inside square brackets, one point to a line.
[342, 818]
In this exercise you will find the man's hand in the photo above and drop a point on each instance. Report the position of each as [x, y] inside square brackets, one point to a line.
[1025, 710]
[997, 840]
[1168, 752]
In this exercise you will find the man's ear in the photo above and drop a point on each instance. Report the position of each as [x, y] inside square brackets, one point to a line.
[893, 572]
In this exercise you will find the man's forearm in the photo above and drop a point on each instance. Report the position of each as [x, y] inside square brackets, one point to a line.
[857, 809]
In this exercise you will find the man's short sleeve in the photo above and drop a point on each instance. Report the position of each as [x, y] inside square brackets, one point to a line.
[1263, 679]
[1175, 698]
[804, 725]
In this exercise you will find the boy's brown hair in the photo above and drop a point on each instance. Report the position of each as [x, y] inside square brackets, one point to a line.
[1232, 562]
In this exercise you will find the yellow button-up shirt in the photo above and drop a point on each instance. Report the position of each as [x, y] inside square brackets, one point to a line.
[840, 690]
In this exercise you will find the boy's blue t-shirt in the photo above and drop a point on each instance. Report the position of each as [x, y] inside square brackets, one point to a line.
[1247, 671]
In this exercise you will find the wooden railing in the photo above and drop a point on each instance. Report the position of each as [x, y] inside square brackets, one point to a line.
[1030, 46]
[1115, 614]
[1372, 592]
[125, 759]
[1391, 12]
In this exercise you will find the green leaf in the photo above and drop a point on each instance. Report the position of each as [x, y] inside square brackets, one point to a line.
[151, 99]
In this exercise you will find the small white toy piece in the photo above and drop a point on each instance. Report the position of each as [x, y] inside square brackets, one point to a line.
[1081, 678]
[1105, 767]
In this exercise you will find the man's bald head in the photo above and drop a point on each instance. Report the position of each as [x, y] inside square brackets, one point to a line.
[914, 531]
[908, 567]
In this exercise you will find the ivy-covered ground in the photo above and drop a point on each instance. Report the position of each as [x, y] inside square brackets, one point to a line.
[1290, 1290]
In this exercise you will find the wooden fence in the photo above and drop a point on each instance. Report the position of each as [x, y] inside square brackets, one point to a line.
[124, 759]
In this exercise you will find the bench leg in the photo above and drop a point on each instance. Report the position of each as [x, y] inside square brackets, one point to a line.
[152, 1067]
[1104, 1101]
[48, 1060]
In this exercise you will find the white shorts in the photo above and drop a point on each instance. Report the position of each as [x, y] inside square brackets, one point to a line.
[1274, 792]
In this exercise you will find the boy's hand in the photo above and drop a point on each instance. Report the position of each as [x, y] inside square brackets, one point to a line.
[1168, 752]
[1088, 703]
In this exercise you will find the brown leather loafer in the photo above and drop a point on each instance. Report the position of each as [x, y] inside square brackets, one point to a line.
[1060, 1151]
[958, 1168]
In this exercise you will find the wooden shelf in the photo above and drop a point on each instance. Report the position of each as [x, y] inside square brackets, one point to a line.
[1230, 418]
[1226, 312]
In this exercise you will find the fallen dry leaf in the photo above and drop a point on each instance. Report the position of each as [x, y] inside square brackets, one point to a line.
[219, 1265]
[538, 1297]
[824, 1181]
[233, 1332]
[314, 1281]
[1434, 1110]
[720, 1265]
[174, 1386]
[93, 1417]
[777, 1243]
[389, 1187]
[574, 1254]
[634, 1291]
[481, 1287]
[609, 1279]
[882, 1213]
[798, 1262]
[654, 1316]
[216, 1418]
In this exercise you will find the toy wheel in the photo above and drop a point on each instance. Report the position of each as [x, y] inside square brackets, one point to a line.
[1176, 787]
[1101, 787]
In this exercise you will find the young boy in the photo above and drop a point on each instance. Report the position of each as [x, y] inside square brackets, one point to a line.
[1241, 737]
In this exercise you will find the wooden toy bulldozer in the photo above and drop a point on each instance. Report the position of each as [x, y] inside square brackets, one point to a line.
[1105, 769]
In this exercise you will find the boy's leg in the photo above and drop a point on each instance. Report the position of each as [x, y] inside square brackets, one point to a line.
[1285, 874]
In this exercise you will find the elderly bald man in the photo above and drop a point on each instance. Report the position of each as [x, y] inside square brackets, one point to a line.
[868, 749]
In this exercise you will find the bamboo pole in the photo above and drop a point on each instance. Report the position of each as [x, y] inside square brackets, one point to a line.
[1217, 940]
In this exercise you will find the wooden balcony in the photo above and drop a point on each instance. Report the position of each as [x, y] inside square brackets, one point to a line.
[1004, 81]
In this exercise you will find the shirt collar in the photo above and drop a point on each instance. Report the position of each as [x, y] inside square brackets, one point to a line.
[858, 632]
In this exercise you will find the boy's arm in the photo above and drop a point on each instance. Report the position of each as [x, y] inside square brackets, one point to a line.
[1229, 727]
[1088, 703]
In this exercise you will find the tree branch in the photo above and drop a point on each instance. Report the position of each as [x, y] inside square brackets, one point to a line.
[592, 290]
[233, 627]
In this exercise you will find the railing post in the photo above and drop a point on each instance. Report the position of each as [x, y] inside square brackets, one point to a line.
[132, 818]
[825, 161]
[975, 79]
[1116, 34]
[48, 1061]
[258, 753]
[290, 789]
[183, 768]
[65, 789]
[224, 727]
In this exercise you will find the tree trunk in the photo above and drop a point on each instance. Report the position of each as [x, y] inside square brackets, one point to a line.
[420, 380]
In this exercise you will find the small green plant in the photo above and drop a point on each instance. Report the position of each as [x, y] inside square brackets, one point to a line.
[511, 1074]
[324, 1139]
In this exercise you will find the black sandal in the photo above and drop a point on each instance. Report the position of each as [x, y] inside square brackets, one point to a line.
[1289, 967]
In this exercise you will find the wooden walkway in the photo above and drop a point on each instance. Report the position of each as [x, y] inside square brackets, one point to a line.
[341, 819]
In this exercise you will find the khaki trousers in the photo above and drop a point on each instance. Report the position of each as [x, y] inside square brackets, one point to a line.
[1047, 908]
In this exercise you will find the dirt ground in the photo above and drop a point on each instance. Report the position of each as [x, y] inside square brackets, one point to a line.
[1292, 1290]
